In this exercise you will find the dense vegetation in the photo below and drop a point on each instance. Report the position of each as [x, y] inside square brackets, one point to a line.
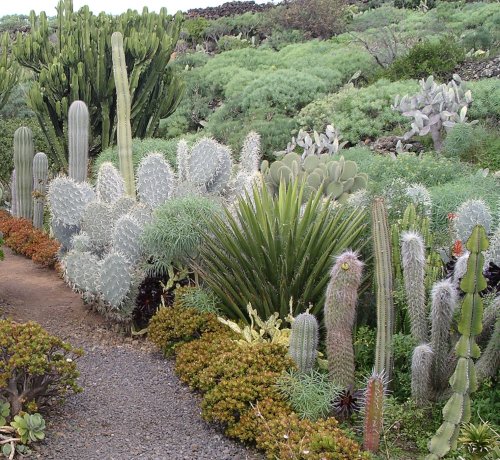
[311, 196]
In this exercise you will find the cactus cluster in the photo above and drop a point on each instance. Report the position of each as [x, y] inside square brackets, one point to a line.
[328, 142]
[337, 176]
[435, 108]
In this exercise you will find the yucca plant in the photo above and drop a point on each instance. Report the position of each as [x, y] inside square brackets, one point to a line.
[273, 248]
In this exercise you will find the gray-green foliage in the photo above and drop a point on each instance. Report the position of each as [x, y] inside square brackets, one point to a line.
[82, 271]
[304, 340]
[155, 180]
[176, 231]
[126, 238]
[310, 394]
[109, 185]
[96, 223]
[115, 279]
[200, 298]
[468, 215]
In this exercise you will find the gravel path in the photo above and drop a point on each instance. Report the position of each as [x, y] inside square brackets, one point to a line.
[133, 406]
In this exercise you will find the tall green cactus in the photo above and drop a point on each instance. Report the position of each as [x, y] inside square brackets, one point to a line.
[124, 130]
[340, 313]
[413, 258]
[304, 341]
[77, 65]
[78, 140]
[9, 72]
[24, 152]
[40, 182]
[463, 381]
[384, 288]
[373, 419]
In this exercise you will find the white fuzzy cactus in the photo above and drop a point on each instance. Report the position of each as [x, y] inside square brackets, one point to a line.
[493, 253]
[96, 222]
[127, 238]
[121, 207]
[110, 185]
[68, 200]
[250, 153]
[115, 279]
[469, 214]
[182, 160]
[420, 373]
[155, 180]
[81, 270]
[81, 242]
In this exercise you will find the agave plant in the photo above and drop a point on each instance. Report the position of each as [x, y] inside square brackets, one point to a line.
[272, 249]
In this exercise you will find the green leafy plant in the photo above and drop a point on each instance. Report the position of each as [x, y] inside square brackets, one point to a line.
[478, 441]
[272, 249]
[30, 427]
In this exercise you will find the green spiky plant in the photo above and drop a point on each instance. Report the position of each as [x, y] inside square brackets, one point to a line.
[304, 338]
[384, 288]
[463, 381]
[24, 151]
[272, 248]
[124, 128]
[9, 72]
[40, 182]
[78, 66]
[340, 313]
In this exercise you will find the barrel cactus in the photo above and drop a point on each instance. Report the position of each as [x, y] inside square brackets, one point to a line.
[304, 341]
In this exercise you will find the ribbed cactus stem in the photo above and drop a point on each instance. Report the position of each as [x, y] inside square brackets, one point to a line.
[384, 288]
[13, 193]
[24, 152]
[444, 302]
[489, 363]
[373, 420]
[250, 153]
[124, 130]
[463, 381]
[182, 160]
[40, 182]
[78, 140]
[304, 341]
[340, 313]
[420, 374]
[413, 259]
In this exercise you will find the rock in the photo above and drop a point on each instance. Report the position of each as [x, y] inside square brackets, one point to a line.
[475, 70]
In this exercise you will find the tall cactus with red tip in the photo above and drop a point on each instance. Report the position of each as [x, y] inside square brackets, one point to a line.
[340, 313]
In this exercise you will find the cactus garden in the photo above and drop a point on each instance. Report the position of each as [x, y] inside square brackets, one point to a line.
[251, 231]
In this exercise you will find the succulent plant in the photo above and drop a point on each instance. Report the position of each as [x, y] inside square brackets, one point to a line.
[489, 362]
[122, 206]
[338, 177]
[182, 160]
[435, 108]
[126, 238]
[373, 411]
[40, 178]
[81, 242]
[340, 312]
[13, 196]
[24, 152]
[78, 140]
[155, 180]
[493, 253]
[115, 279]
[250, 153]
[109, 185]
[97, 224]
[304, 341]
[81, 271]
[421, 374]
[413, 259]
[317, 144]
[209, 166]
[29, 427]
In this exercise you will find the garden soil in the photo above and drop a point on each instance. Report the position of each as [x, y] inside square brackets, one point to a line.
[133, 406]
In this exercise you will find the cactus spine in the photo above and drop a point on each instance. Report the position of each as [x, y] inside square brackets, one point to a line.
[40, 177]
[124, 130]
[444, 302]
[420, 373]
[373, 421]
[340, 313]
[384, 288]
[413, 257]
[78, 140]
[304, 341]
[24, 152]
[463, 381]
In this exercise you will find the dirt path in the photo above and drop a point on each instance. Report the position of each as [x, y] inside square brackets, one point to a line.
[133, 406]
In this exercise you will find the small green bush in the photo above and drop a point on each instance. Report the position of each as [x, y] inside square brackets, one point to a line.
[358, 113]
[413, 4]
[195, 29]
[437, 58]
[281, 38]
[229, 42]
[486, 101]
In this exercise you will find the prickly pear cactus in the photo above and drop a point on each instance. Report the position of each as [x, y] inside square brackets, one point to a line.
[81, 270]
[121, 207]
[210, 166]
[304, 341]
[463, 381]
[81, 242]
[96, 223]
[115, 279]
[110, 185]
[155, 180]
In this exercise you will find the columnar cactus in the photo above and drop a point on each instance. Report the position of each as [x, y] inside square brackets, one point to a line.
[110, 185]
[78, 140]
[340, 313]
[463, 381]
[40, 177]
[444, 302]
[304, 341]
[124, 130]
[24, 152]
[13, 193]
[413, 258]
[489, 363]
[384, 288]
[420, 374]
[250, 153]
[373, 417]
[155, 180]
[182, 160]
[468, 215]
